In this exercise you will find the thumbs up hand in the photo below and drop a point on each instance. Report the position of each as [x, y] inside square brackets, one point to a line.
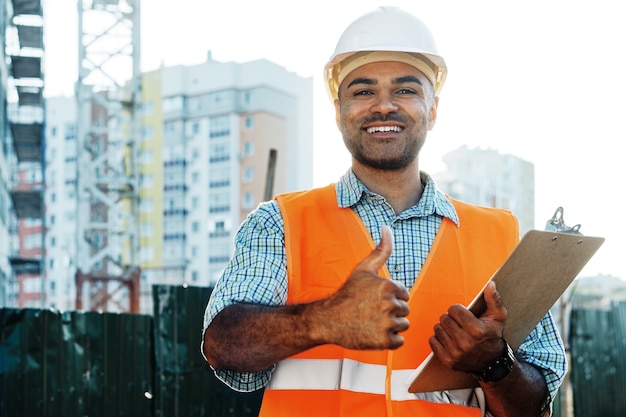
[368, 311]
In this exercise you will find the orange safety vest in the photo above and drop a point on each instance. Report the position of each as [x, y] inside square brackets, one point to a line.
[324, 243]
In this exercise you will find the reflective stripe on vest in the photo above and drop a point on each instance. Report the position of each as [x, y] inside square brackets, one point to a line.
[350, 375]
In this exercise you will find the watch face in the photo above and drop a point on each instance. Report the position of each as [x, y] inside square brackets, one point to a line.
[498, 369]
[499, 372]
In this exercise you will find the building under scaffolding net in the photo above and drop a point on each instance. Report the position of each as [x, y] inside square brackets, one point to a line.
[24, 83]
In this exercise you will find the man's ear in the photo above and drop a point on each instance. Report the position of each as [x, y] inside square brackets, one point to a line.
[337, 113]
[433, 113]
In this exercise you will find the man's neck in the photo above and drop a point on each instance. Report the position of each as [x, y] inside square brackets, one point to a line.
[402, 188]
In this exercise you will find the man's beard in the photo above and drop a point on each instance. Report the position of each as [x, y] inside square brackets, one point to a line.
[358, 147]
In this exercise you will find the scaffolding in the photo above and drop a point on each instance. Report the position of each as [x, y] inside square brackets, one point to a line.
[108, 93]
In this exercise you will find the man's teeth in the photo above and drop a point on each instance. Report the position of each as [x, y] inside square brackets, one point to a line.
[384, 129]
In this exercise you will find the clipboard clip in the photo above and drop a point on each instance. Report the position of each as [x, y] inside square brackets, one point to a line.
[556, 224]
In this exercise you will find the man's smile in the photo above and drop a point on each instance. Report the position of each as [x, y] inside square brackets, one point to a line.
[384, 129]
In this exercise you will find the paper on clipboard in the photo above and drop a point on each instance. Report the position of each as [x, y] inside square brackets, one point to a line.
[530, 281]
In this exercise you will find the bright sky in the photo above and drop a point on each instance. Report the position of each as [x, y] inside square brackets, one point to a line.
[544, 80]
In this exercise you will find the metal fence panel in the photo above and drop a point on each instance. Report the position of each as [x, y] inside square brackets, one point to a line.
[75, 364]
[78, 364]
[598, 376]
[185, 384]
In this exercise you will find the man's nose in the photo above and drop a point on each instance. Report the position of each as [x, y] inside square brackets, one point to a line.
[384, 103]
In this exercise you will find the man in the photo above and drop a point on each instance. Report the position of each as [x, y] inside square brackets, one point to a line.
[330, 323]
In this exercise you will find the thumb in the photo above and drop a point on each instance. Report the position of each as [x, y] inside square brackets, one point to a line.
[495, 307]
[377, 258]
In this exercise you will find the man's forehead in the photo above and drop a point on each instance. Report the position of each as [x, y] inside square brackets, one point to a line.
[386, 71]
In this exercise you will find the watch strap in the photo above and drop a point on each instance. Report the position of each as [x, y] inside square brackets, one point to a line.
[498, 369]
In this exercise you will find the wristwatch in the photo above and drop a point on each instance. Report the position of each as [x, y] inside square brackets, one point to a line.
[497, 370]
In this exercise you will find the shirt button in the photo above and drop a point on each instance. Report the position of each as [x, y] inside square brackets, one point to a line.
[397, 268]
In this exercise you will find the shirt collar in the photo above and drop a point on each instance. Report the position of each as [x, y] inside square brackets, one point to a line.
[350, 191]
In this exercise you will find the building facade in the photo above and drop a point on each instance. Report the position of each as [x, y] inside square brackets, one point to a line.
[205, 159]
[60, 202]
[209, 132]
[488, 178]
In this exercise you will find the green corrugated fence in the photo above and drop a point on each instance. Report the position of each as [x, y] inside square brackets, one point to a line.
[74, 364]
[598, 368]
[79, 364]
[186, 385]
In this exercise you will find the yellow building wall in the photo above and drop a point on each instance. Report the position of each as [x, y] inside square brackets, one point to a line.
[152, 121]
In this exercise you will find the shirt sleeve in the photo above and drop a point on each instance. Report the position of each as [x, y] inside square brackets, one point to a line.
[544, 349]
[256, 273]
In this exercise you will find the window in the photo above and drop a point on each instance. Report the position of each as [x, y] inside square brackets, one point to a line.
[146, 253]
[147, 156]
[219, 177]
[32, 222]
[32, 241]
[194, 104]
[195, 227]
[219, 152]
[219, 126]
[31, 285]
[147, 132]
[248, 148]
[249, 122]
[146, 205]
[172, 104]
[146, 229]
[248, 174]
[147, 181]
[170, 127]
[147, 108]
[70, 131]
[219, 202]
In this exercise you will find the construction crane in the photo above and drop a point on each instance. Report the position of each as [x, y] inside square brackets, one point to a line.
[108, 93]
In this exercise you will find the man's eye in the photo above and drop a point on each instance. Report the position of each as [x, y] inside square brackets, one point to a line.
[362, 93]
[406, 91]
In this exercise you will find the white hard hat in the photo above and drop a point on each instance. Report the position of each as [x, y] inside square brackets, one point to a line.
[385, 34]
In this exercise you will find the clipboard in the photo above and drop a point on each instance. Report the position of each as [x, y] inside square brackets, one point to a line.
[531, 280]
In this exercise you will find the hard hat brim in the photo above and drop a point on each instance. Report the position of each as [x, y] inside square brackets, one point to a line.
[432, 66]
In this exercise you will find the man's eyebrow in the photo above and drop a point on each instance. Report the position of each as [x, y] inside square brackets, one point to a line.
[400, 80]
[407, 79]
[362, 80]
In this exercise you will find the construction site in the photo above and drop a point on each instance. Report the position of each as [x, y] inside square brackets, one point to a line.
[118, 209]
[99, 316]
